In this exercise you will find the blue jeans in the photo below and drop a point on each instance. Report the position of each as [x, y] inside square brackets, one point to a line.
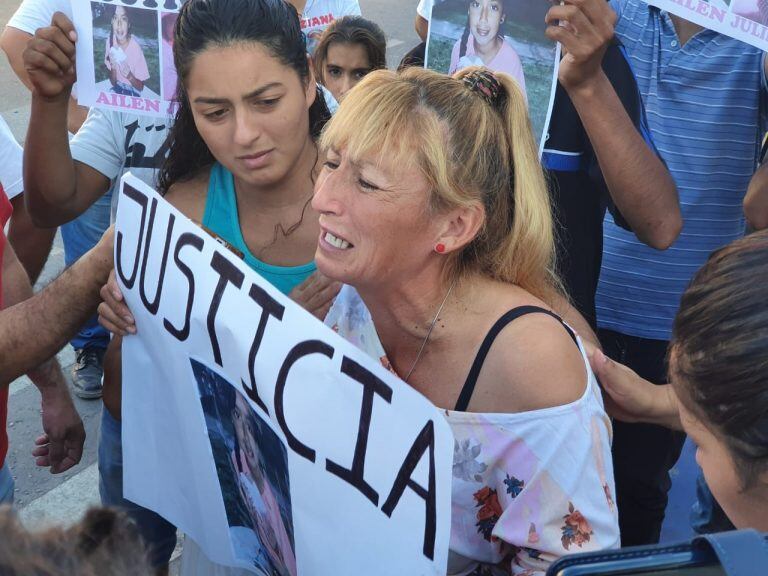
[6, 485]
[706, 515]
[79, 236]
[159, 535]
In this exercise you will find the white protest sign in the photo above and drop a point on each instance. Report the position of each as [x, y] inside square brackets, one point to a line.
[745, 20]
[266, 437]
[125, 55]
[504, 36]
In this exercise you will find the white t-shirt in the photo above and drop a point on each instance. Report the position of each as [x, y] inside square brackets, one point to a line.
[114, 143]
[11, 160]
[318, 14]
[424, 9]
[34, 14]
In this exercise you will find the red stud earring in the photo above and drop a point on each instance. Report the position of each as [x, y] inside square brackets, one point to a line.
[440, 248]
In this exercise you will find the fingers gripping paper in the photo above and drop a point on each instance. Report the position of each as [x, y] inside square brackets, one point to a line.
[263, 435]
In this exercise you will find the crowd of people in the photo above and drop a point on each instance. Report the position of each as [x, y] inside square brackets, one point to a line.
[574, 313]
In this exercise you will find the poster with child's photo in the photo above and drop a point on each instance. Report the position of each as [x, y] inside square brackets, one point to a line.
[504, 36]
[125, 50]
[252, 467]
[125, 56]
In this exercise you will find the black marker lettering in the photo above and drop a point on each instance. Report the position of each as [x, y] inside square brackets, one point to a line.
[269, 307]
[141, 200]
[228, 274]
[186, 239]
[299, 351]
[424, 441]
[155, 304]
[371, 385]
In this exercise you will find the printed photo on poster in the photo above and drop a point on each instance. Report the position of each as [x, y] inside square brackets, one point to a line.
[252, 467]
[745, 20]
[167, 67]
[502, 35]
[125, 50]
[754, 10]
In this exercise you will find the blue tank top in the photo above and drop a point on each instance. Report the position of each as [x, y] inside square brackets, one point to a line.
[221, 217]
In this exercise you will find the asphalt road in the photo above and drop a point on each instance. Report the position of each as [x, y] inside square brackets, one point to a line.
[40, 497]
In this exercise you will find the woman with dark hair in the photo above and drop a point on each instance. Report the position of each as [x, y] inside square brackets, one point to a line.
[242, 161]
[718, 369]
[483, 43]
[350, 48]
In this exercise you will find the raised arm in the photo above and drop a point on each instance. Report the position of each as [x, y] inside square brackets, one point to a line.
[756, 200]
[57, 189]
[639, 183]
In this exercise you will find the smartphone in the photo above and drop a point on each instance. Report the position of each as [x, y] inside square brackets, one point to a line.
[643, 561]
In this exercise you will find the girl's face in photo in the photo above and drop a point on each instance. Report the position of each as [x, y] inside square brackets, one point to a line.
[245, 436]
[485, 19]
[345, 65]
[120, 25]
[251, 110]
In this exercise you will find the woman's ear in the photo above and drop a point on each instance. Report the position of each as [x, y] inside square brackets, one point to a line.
[461, 227]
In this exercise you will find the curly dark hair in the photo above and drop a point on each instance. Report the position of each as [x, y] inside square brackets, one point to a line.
[202, 24]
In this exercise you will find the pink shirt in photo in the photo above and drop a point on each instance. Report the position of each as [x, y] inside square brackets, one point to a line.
[134, 59]
[506, 61]
[169, 72]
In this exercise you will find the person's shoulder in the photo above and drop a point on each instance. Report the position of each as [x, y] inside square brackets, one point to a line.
[189, 196]
[533, 364]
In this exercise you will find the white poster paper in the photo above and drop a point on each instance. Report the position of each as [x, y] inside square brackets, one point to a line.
[745, 20]
[504, 36]
[262, 434]
[125, 55]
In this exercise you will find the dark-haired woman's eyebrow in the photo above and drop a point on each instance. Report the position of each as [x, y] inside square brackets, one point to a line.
[260, 91]
[255, 94]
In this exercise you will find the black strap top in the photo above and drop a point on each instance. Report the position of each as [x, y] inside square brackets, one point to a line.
[469, 384]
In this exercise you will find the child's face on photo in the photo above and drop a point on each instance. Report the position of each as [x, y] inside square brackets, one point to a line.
[120, 24]
[485, 18]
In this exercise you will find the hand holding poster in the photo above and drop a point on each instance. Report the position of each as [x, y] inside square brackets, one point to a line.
[275, 444]
[494, 34]
[125, 55]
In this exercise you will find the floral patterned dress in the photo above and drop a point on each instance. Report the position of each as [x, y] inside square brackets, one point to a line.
[527, 487]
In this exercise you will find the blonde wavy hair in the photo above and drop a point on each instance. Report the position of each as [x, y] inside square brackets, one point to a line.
[470, 151]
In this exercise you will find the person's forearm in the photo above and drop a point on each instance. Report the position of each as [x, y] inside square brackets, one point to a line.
[16, 289]
[421, 26]
[50, 178]
[665, 412]
[639, 183]
[756, 200]
[36, 329]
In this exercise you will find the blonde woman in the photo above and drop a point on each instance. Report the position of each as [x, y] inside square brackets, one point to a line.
[434, 212]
